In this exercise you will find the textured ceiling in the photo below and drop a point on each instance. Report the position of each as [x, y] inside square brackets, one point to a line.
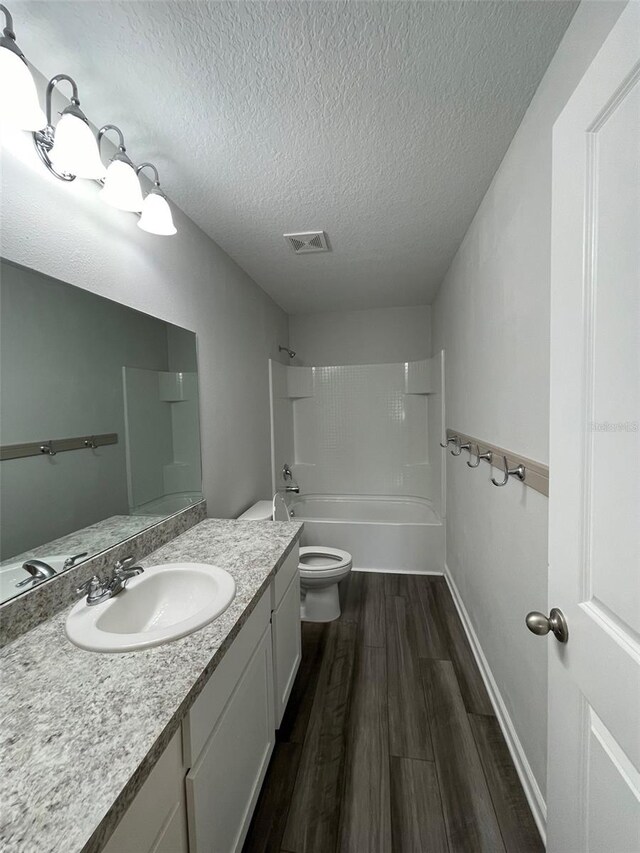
[381, 123]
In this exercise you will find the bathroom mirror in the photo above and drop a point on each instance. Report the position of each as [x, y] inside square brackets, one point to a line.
[99, 424]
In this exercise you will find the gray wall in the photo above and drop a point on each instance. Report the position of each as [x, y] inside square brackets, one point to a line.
[491, 316]
[61, 356]
[65, 231]
[372, 336]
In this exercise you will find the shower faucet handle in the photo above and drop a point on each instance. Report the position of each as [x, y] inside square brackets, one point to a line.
[286, 472]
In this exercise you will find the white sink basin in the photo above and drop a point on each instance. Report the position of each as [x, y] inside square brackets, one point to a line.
[162, 604]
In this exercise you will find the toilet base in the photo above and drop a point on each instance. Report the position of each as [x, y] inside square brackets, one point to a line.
[320, 604]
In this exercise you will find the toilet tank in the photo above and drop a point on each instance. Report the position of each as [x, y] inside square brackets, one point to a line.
[260, 511]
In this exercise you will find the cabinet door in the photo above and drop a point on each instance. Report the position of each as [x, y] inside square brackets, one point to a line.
[285, 626]
[223, 785]
[155, 822]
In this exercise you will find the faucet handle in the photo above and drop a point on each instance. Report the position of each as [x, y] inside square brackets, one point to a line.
[90, 587]
[71, 561]
[122, 564]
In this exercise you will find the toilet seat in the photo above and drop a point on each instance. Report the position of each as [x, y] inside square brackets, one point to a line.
[323, 562]
[320, 568]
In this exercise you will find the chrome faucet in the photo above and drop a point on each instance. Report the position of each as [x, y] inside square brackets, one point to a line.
[38, 571]
[98, 591]
[287, 476]
[71, 561]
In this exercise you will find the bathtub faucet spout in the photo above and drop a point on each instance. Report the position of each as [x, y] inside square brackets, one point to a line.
[295, 489]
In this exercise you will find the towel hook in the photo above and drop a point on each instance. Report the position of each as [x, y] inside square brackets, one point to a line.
[519, 472]
[487, 455]
[460, 447]
[90, 442]
[48, 449]
[448, 442]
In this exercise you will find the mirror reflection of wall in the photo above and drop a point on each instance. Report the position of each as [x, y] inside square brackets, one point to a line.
[70, 365]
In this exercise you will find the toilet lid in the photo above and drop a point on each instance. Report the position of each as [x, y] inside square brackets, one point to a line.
[321, 558]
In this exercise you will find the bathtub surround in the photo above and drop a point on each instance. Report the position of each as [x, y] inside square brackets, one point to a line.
[59, 229]
[27, 611]
[161, 434]
[358, 429]
[358, 438]
[143, 696]
[281, 420]
[497, 380]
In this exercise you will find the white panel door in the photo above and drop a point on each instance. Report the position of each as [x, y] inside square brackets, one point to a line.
[594, 502]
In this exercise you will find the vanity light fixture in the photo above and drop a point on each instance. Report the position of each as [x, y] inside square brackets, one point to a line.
[70, 150]
[19, 106]
[121, 184]
[156, 214]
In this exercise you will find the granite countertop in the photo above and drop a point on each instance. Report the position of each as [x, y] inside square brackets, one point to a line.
[92, 539]
[80, 731]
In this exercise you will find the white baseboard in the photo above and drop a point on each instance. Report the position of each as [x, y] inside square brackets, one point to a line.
[396, 571]
[523, 768]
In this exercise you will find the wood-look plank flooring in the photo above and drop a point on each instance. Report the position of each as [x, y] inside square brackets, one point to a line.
[389, 743]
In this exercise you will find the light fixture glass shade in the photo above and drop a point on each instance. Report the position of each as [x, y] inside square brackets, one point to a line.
[156, 215]
[19, 105]
[122, 187]
[75, 150]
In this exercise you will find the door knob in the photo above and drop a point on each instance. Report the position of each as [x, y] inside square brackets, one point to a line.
[540, 624]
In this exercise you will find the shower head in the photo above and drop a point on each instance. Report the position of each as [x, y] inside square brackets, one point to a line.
[288, 351]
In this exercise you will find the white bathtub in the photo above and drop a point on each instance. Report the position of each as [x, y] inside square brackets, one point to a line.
[384, 533]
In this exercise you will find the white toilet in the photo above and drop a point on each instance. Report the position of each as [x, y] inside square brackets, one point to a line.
[321, 568]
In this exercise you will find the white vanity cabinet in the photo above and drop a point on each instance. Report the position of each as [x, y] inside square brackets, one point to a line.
[229, 735]
[156, 821]
[285, 631]
[200, 796]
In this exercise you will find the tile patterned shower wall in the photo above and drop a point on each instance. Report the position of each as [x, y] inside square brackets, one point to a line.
[362, 429]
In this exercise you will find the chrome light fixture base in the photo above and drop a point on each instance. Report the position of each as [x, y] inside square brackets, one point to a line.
[43, 141]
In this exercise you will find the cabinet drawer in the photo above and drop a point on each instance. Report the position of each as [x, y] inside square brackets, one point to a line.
[207, 708]
[287, 571]
[223, 785]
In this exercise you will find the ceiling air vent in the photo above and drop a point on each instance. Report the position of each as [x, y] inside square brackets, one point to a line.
[307, 241]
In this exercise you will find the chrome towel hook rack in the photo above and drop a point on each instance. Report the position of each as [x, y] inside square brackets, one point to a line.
[460, 447]
[487, 456]
[519, 471]
[53, 446]
[530, 473]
